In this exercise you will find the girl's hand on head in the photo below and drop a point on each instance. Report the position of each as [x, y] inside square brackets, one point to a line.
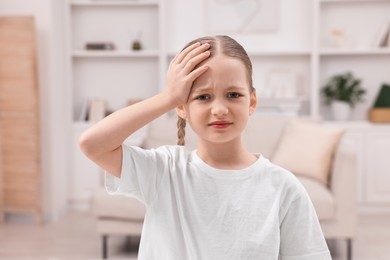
[182, 71]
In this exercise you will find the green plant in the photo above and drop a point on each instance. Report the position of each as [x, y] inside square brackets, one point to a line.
[343, 87]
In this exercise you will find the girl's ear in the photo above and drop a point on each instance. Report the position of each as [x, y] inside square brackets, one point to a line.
[181, 112]
[253, 102]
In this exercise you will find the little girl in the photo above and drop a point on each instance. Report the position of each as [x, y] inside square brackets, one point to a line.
[218, 201]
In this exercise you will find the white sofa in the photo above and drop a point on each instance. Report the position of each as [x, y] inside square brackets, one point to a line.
[335, 203]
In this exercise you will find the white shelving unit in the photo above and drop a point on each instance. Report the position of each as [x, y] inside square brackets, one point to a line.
[115, 76]
[359, 54]
[302, 47]
[120, 74]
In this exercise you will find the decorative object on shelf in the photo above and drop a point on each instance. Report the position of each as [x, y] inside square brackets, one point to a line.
[137, 45]
[341, 110]
[281, 84]
[100, 46]
[288, 107]
[380, 113]
[241, 16]
[340, 39]
[280, 93]
[343, 88]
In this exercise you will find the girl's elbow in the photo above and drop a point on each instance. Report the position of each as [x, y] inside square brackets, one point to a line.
[86, 144]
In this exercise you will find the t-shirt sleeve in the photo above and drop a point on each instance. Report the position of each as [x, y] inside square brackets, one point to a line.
[141, 173]
[301, 234]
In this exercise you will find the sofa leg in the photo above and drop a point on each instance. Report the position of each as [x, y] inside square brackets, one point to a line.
[349, 248]
[104, 246]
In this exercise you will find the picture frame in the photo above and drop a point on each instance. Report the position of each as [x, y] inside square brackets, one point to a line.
[241, 16]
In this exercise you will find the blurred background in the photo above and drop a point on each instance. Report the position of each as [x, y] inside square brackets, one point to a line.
[64, 64]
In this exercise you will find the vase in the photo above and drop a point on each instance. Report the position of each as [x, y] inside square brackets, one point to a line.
[341, 110]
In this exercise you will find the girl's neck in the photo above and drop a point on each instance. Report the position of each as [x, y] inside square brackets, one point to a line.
[232, 156]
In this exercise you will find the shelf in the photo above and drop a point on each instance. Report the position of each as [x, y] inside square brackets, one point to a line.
[340, 52]
[280, 53]
[262, 53]
[77, 124]
[358, 124]
[115, 54]
[354, 1]
[114, 3]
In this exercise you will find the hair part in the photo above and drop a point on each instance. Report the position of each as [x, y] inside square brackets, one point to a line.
[227, 46]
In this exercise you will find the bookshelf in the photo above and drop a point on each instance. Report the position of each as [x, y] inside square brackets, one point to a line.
[302, 46]
[113, 76]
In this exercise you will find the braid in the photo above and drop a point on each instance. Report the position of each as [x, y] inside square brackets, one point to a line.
[181, 132]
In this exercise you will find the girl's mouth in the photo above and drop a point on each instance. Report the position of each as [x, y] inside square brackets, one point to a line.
[220, 124]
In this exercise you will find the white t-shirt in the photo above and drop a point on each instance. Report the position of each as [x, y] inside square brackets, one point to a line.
[195, 211]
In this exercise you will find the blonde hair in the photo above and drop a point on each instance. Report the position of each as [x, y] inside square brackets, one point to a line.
[229, 47]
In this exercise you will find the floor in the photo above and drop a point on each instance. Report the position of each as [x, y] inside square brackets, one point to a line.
[74, 237]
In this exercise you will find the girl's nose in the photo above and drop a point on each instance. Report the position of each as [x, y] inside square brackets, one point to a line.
[218, 108]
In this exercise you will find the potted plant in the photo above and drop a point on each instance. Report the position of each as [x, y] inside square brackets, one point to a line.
[343, 92]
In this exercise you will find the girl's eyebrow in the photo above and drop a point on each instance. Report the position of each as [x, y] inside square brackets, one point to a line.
[206, 88]
[201, 89]
[234, 88]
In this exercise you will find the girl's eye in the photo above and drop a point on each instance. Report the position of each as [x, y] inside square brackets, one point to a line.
[203, 97]
[234, 95]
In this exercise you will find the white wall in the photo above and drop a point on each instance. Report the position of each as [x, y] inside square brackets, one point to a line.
[54, 133]
[186, 21]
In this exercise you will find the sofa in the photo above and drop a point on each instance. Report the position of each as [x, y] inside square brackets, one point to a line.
[333, 196]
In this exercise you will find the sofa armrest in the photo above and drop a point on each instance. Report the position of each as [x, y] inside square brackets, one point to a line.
[343, 184]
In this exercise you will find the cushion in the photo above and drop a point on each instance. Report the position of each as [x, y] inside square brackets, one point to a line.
[307, 148]
[262, 133]
[117, 206]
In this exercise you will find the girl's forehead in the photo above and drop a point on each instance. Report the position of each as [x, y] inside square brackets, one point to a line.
[223, 70]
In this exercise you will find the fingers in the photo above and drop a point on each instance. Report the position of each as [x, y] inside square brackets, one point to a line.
[186, 56]
[195, 61]
[180, 56]
[195, 56]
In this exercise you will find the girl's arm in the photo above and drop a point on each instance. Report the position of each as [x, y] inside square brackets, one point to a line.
[102, 142]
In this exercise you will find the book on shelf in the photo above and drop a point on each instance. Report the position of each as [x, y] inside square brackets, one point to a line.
[383, 98]
[99, 46]
[380, 112]
[383, 37]
[97, 110]
[83, 115]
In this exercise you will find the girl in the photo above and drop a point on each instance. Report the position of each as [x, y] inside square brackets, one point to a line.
[218, 201]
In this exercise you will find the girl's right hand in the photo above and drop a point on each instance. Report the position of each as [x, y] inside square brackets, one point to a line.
[183, 71]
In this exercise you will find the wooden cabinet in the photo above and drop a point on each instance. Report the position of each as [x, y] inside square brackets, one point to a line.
[19, 117]
[377, 167]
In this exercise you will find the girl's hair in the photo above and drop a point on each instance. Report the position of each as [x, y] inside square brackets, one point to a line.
[225, 45]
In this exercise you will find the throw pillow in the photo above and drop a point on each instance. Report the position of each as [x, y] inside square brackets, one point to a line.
[307, 148]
